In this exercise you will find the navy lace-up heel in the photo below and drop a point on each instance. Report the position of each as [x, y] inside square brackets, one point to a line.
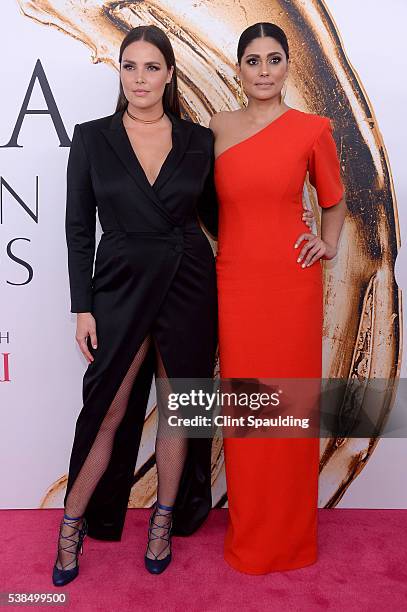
[156, 565]
[60, 577]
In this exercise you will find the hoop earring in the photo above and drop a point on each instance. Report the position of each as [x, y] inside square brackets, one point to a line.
[283, 92]
[241, 95]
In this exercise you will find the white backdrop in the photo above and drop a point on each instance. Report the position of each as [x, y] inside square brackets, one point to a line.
[39, 405]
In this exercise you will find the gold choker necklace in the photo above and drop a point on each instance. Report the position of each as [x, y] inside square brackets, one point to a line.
[143, 120]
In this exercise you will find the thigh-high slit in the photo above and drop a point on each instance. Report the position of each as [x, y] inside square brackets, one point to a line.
[99, 456]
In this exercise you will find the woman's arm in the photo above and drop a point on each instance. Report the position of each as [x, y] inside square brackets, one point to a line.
[80, 227]
[325, 176]
[208, 203]
[331, 225]
[326, 246]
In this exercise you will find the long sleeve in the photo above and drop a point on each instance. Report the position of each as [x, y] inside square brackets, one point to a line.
[80, 225]
[324, 168]
[207, 208]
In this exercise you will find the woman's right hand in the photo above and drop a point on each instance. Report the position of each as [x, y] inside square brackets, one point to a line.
[86, 326]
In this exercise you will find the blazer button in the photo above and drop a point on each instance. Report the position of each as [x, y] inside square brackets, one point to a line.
[178, 248]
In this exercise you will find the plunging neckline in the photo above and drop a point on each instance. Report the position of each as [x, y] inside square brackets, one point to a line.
[263, 129]
[139, 162]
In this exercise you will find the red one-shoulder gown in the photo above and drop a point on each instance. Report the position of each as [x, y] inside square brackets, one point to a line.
[270, 325]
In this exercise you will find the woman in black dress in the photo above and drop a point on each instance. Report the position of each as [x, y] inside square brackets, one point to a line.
[149, 307]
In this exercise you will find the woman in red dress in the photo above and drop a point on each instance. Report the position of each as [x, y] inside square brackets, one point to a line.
[270, 295]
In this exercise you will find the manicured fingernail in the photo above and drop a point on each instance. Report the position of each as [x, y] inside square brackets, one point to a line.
[298, 260]
[295, 246]
[303, 265]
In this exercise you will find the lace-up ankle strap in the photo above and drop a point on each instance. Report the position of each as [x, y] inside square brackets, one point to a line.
[164, 530]
[71, 543]
[162, 507]
[73, 518]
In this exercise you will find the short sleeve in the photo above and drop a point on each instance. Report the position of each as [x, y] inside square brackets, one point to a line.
[324, 168]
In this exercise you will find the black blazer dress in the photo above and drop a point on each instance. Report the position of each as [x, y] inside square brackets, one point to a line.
[154, 274]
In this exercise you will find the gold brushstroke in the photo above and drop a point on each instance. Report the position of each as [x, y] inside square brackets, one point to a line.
[323, 81]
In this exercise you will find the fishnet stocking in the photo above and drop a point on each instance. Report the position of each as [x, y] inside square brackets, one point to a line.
[98, 459]
[170, 453]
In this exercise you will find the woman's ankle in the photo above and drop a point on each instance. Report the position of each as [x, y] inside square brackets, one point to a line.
[73, 518]
[165, 507]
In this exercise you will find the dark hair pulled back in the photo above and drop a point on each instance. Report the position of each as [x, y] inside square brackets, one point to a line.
[260, 30]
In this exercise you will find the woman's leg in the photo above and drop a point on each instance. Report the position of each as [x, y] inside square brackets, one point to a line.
[97, 461]
[170, 452]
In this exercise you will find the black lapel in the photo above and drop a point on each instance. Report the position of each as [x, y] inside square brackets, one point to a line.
[116, 136]
[181, 134]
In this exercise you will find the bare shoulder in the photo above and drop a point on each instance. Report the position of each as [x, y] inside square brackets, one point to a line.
[223, 120]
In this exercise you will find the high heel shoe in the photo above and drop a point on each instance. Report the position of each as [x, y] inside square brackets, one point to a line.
[60, 577]
[157, 566]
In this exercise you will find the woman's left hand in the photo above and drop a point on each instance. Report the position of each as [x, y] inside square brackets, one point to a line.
[314, 249]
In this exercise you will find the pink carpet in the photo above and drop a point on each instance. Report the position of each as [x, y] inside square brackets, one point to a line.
[362, 566]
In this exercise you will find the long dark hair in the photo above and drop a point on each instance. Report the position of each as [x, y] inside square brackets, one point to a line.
[260, 30]
[159, 39]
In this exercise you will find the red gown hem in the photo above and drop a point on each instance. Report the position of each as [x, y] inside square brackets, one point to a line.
[258, 572]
